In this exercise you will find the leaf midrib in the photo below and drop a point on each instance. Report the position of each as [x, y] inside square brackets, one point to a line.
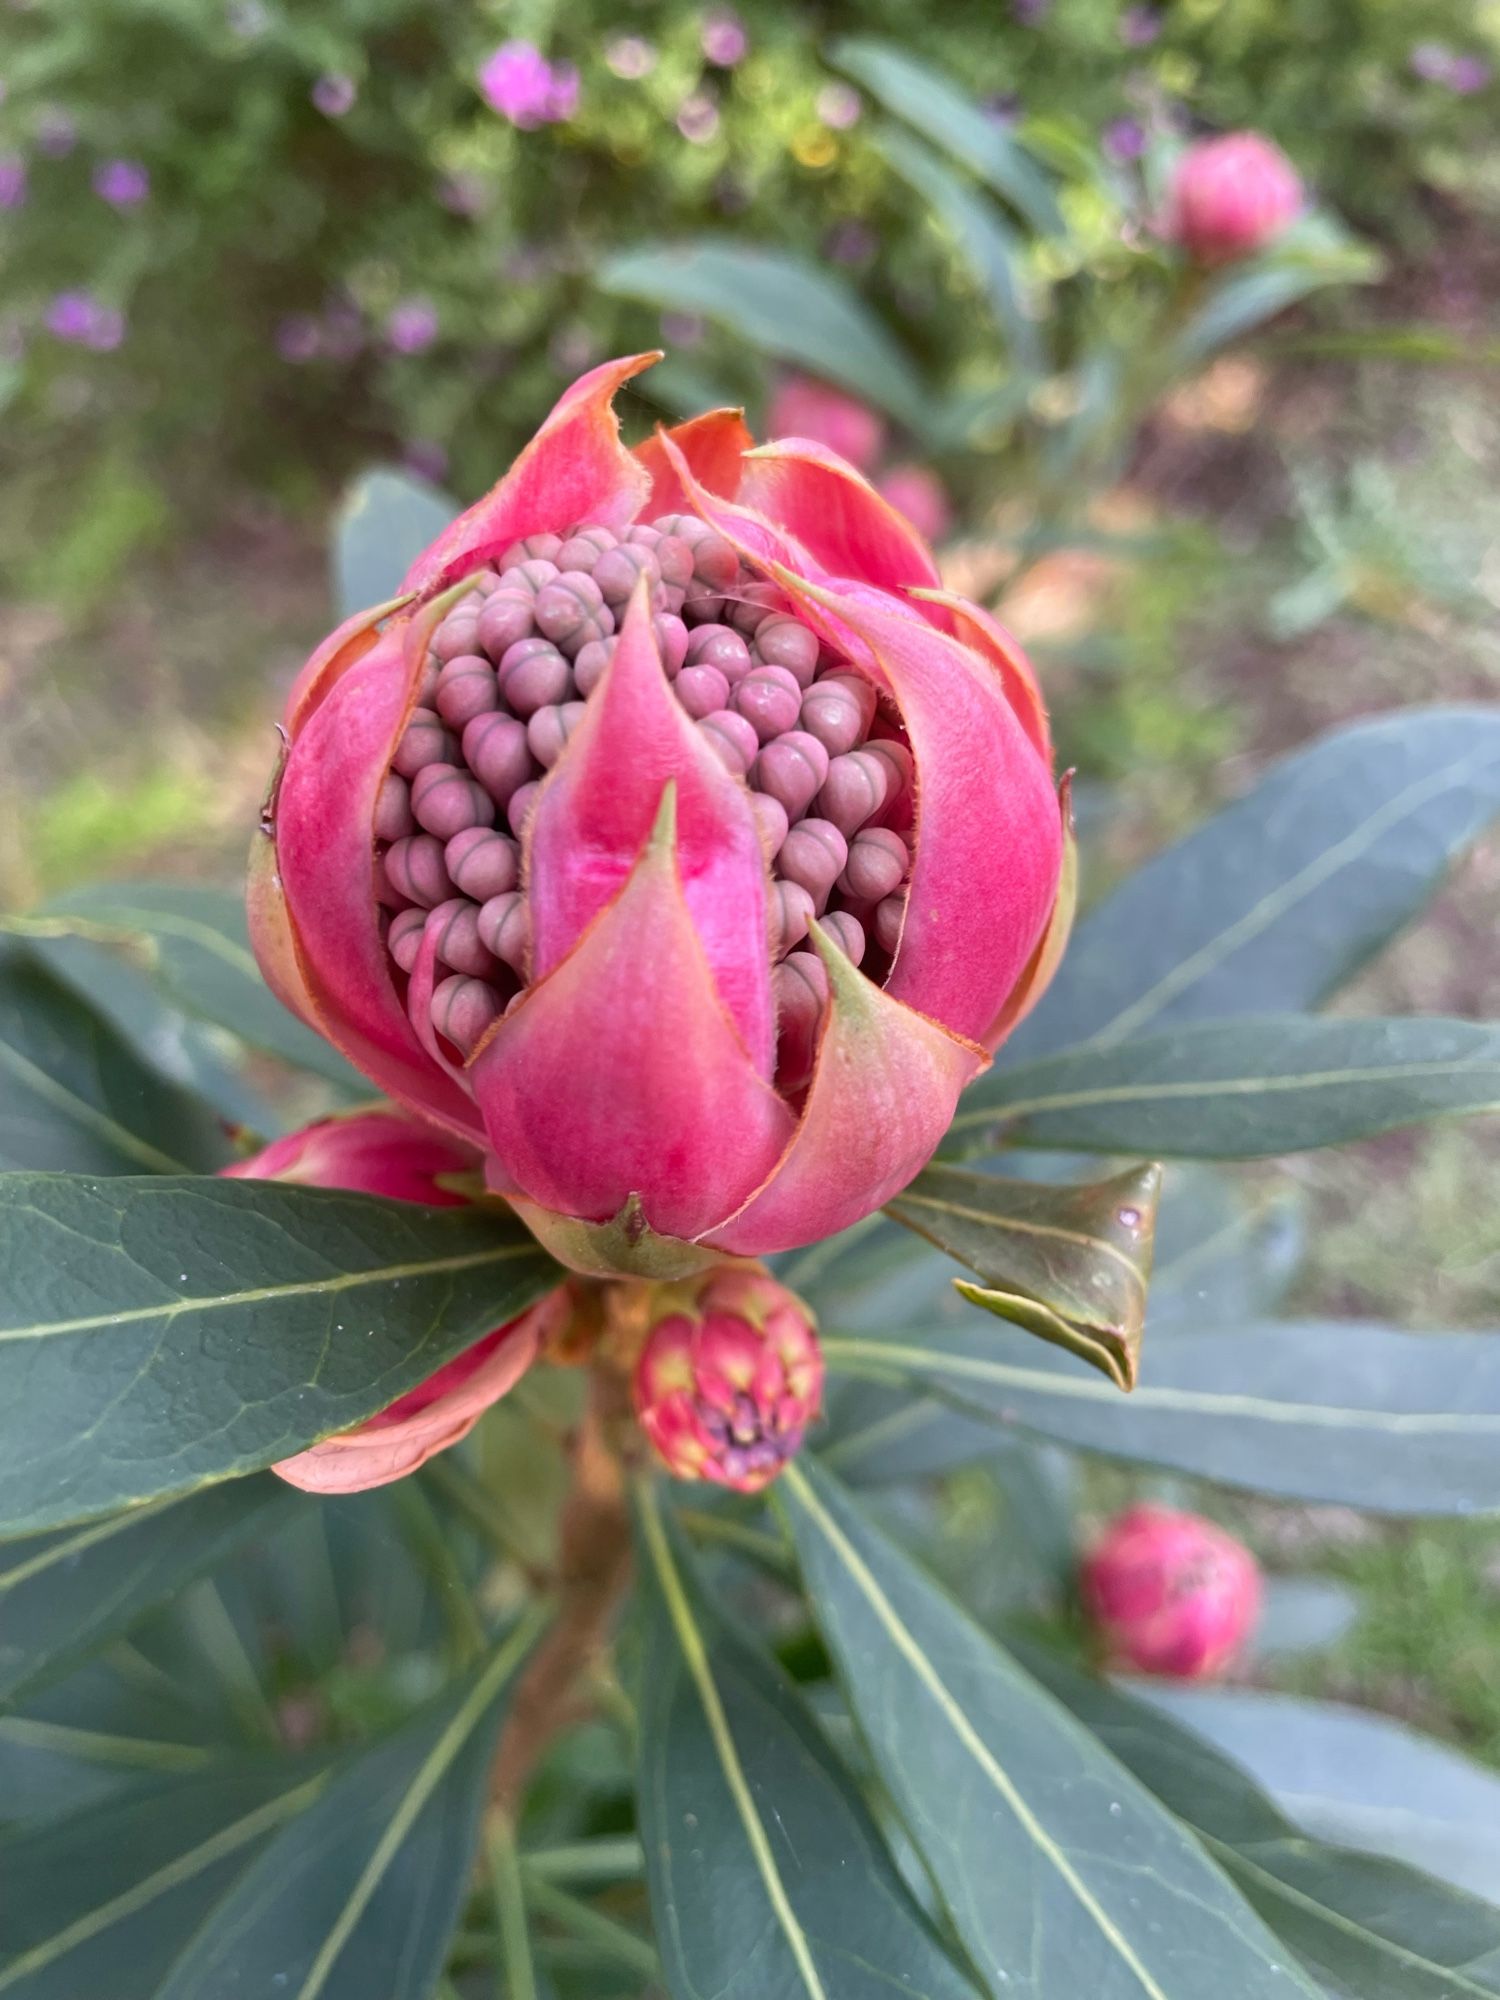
[47, 1087]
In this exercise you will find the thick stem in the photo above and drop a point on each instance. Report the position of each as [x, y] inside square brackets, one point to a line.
[593, 1572]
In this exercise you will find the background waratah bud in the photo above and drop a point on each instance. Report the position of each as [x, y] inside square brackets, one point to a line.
[804, 408]
[1170, 1593]
[1230, 196]
[729, 1378]
[382, 1152]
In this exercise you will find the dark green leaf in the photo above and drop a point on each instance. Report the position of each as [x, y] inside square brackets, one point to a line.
[74, 1098]
[200, 1059]
[64, 1595]
[160, 1334]
[349, 1878]
[767, 1876]
[1400, 1423]
[1060, 1873]
[1070, 1264]
[359, 1894]
[989, 244]
[1241, 1089]
[194, 942]
[943, 113]
[1273, 904]
[1374, 1929]
[1360, 1779]
[787, 308]
[385, 521]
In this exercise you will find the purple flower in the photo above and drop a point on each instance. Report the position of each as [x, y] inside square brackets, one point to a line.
[1125, 139]
[334, 95]
[299, 338]
[1139, 27]
[1435, 62]
[839, 106]
[12, 181]
[1468, 75]
[426, 458]
[723, 38]
[122, 183]
[630, 57]
[80, 318]
[520, 83]
[56, 134]
[698, 118]
[412, 325]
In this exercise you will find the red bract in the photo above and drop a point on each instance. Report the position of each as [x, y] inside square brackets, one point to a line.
[386, 1153]
[1230, 196]
[1170, 1593]
[729, 1379]
[675, 838]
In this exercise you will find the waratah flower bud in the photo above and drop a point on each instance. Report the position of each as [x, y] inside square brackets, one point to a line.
[731, 699]
[387, 1153]
[1170, 1593]
[1230, 196]
[729, 1378]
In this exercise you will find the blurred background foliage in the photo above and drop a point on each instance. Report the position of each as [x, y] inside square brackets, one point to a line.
[1222, 515]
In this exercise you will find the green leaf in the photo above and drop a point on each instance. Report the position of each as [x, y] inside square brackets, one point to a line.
[989, 245]
[1373, 1928]
[1314, 254]
[1327, 1410]
[194, 942]
[74, 1098]
[63, 1595]
[952, 120]
[1070, 1264]
[160, 1334]
[785, 307]
[1276, 902]
[360, 1893]
[766, 1873]
[187, 1052]
[1060, 1874]
[1221, 1258]
[1361, 1779]
[1241, 1089]
[345, 1879]
[385, 520]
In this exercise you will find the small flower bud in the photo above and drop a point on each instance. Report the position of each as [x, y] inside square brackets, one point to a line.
[619, 569]
[854, 790]
[570, 611]
[455, 931]
[1170, 1593]
[505, 621]
[847, 932]
[702, 691]
[466, 688]
[783, 642]
[671, 641]
[532, 548]
[505, 928]
[519, 809]
[750, 607]
[482, 863]
[425, 742]
[814, 853]
[589, 663]
[496, 751]
[889, 917]
[533, 674]
[789, 913]
[878, 861]
[675, 561]
[584, 548]
[1230, 196]
[838, 710]
[729, 1378]
[458, 632]
[404, 938]
[771, 819]
[769, 699]
[549, 729]
[719, 646]
[733, 738]
[799, 986]
[446, 799]
[415, 869]
[792, 770]
[462, 1009]
[393, 820]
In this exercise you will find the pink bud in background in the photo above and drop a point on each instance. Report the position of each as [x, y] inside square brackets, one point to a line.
[386, 1153]
[1231, 196]
[729, 1379]
[921, 497]
[335, 96]
[122, 183]
[1170, 1593]
[520, 83]
[412, 326]
[803, 408]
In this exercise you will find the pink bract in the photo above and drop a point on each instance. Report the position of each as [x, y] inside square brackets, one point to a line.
[1170, 1593]
[1230, 196]
[651, 1086]
[387, 1153]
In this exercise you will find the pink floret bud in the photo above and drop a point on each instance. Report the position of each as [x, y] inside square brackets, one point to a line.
[1170, 1593]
